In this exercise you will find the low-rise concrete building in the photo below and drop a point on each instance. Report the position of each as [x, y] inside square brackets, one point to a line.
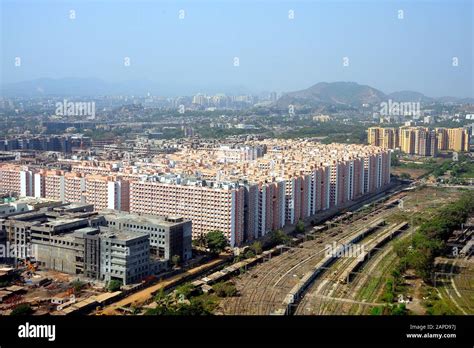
[76, 240]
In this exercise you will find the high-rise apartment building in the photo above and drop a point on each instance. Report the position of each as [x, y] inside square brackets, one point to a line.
[387, 138]
[458, 139]
[420, 141]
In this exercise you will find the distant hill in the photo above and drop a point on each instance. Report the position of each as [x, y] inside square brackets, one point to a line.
[342, 93]
[353, 94]
[409, 96]
[455, 100]
[323, 95]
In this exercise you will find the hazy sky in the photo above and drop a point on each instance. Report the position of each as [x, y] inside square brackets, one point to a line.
[274, 51]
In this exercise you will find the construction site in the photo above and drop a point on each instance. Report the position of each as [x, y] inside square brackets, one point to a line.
[42, 292]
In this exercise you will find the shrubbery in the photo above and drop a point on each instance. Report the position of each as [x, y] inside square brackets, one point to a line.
[225, 289]
[22, 309]
[114, 285]
[430, 239]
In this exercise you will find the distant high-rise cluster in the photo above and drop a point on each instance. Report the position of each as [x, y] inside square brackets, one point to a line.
[219, 101]
[421, 141]
[244, 190]
[38, 143]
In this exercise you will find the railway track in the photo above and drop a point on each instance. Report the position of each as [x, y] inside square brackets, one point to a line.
[329, 285]
[249, 290]
[264, 288]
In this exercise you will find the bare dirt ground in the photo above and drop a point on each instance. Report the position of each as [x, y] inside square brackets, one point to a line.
[414, 173]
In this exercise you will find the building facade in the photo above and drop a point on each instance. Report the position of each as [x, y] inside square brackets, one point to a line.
[421, 141]
[245, 191]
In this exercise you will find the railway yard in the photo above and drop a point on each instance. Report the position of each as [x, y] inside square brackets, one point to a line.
[455, 284]
[307, 279]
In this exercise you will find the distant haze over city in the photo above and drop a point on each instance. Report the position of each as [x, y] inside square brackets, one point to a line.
[174, 48]
[340, 92]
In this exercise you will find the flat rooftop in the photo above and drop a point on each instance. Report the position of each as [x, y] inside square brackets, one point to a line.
[120, 235]
[85, 230]
[143, 218]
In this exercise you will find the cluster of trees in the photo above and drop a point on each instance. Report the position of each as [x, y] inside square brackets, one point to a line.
[279, 237]
[419, 253]
[397, 309]
[215, 241]
[185, 300]
[458, 168]
[440, 170]
[394, 159]
[391, 290]
[355, 137]
[405, 176]
[271, 239]
[429, 240]
[225, 289]
[255, 249]
[208, 132]
[338, 131]
[463, 167]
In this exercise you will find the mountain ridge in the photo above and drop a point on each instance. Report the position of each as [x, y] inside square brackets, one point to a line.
[353, 94]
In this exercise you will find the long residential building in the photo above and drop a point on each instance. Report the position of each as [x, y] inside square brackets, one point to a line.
[244, 190]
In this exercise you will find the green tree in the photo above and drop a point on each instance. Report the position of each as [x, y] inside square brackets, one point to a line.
[114, 285]
[394, 160]
[160, 295]
[405, 176]
[376, 311]
[216, 241]
[400, 309]
[397, 276]
[430, 239]
[22, 309]
[78, 286]
[279, 237]
[299, 227]
[200, 241]
[401, 247]
[176, 259]
[225, 289]
[256, 247]
[389, 294]
[249, 254]
[185, 290]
